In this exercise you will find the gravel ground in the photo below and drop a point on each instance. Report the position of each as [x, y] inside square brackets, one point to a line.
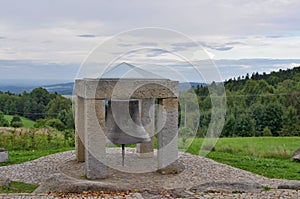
[197, 170]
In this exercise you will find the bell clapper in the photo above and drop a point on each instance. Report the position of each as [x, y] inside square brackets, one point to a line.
[123, 154]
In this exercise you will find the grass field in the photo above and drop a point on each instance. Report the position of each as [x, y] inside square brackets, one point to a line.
[268, 156]
[17, 157]
[26, 122]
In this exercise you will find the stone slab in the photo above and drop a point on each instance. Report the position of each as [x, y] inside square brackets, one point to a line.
[126, 88]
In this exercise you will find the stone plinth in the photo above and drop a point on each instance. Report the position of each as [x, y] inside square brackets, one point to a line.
[3, 155]
[90, 120]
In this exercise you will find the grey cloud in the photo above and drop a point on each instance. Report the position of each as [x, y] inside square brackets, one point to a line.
[184, 46]
[124, 45]
[87, 35]
[234, 43]
[225, 48]
[2, 37]
[148, 44]
[155, 52]
[234, 16]
[274, 36]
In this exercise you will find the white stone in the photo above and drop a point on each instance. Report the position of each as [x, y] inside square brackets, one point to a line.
[3, 156]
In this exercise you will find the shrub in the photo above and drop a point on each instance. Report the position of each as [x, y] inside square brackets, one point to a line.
[16, 122]
[3, 121]
[50, 122]
[267, 131]
[36, 139]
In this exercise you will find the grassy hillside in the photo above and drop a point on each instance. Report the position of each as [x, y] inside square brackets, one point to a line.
[26, 122]
[268, 156]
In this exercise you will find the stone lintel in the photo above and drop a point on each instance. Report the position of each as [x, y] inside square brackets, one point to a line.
[126, 88]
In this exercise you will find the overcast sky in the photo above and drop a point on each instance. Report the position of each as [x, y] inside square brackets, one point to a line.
[49, 39]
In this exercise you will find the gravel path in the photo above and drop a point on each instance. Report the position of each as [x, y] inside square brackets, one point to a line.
[198, 170]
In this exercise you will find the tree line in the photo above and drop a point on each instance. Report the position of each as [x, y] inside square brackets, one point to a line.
[47, 109]
[257, 105]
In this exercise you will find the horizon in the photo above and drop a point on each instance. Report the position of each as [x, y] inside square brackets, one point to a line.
[33, 83]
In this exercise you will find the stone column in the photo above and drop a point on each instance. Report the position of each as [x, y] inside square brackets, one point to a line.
[95, 139]
[79, 129]
[167, 137]
[145, 150]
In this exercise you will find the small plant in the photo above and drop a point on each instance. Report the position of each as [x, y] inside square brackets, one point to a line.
[266, 188]
[237, 192]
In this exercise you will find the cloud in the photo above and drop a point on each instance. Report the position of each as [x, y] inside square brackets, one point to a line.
[155, 52]
[148, 44]
[46, 32]
[87, 36]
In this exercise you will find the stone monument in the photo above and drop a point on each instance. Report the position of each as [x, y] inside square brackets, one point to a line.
[90, 138]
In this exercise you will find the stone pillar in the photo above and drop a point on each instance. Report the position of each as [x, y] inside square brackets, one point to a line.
[79, 129]
[167, 137]
[95, 139]
[145, 150]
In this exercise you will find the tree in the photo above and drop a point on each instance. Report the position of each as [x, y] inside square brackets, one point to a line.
[273, 117]
[16, 122]
[229, 127]
[50, 122]
[244, 126]
[3, 121]
[290, 122]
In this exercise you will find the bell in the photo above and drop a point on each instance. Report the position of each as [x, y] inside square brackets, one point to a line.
[123, 123]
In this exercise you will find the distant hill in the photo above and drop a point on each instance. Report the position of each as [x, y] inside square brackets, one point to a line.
[16, 89]
[63, 89]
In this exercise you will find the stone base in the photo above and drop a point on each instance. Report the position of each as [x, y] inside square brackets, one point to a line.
[3, 156]
[171, 169]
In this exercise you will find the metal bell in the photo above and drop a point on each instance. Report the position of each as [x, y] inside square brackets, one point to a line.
[123, 123]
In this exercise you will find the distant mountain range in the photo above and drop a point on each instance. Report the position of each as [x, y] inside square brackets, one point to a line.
[67, 88]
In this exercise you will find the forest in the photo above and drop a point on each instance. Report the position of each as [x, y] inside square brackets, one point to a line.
[47, 109]
[257, 105]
